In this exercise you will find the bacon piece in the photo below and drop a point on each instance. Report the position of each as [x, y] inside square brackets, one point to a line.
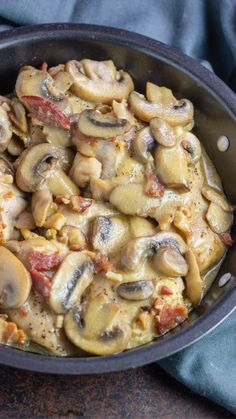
[9, 333]
[46, 112]
[43, 262]
[40, 283]
[153, 186]
[226, 238]
[100, 261]
[168, 315]
[165, 290]
[43, 67]
[77, 203]
[80, 204]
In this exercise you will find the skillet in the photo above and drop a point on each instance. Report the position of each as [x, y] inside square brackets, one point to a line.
[215, 115]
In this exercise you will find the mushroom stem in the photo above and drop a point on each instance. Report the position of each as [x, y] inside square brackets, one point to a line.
[60, 184]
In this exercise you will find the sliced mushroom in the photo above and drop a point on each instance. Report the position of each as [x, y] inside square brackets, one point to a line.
[41, 203]
[104, 336]
[57, 136]
[140, 226]
[109, 234]
[74, 275]
[99, 81]
[179, 114]
[216, 197]
[121, 111]
[162, 132]
[85, 169]
[218, 219]
[143, 144]
[171, 167]
[96, 124]
[5, 131]
[33, 82]
[157, 94]
[15, 284]
[25, 221]
[130, 199]
[18, 115]
[44, 165]
[15, 146]
[169, 262]
[193, 280]
[192, 146]
[135, 290]
[139, 248]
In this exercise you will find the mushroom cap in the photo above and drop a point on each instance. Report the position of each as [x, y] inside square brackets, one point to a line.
[15, 284]
[139, 248]
[95, 124]
[99, 81]
[33, 168]
[104, 336]
[179, 114]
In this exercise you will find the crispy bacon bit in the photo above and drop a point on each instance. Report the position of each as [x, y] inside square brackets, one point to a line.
[226, 238]
[42, 262]
[43, 67]
[168, 316]
[153, 186]
[77, 203]
[10, 334]
[46, 112]
[24, 311]
[80, 204]
[62, 199]
[101, 262]
[165, 290]
[40, 283]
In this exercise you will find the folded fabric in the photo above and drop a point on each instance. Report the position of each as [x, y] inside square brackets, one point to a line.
[204, 29]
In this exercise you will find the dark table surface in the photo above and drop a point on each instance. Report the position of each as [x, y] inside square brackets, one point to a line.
[146, 392]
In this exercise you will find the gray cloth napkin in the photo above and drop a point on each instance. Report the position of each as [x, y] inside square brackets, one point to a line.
[205, 30]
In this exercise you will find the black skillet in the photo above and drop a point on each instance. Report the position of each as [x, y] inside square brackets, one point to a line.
[215, 114]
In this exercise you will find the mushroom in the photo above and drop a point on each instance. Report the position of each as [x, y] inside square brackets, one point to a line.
[169, 262]
[33, 82]
[85, 169]
[216, 197]
[99, 81]
[192, 146]
[193, 280]
[74, 275]
[18, 115]
[57, 136]
[109, 234]
[172, 167]
[139, 248]
[15, 284]
[104, 336]
[121, 111]
[95, 124]
[143, 144]
[135, 290]
[25, 221]
[5, 131]
[162, 132]
[219, 220]
[15, 146]
[41, 203]
[43, 165]
[130, 199]
[179, 114]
